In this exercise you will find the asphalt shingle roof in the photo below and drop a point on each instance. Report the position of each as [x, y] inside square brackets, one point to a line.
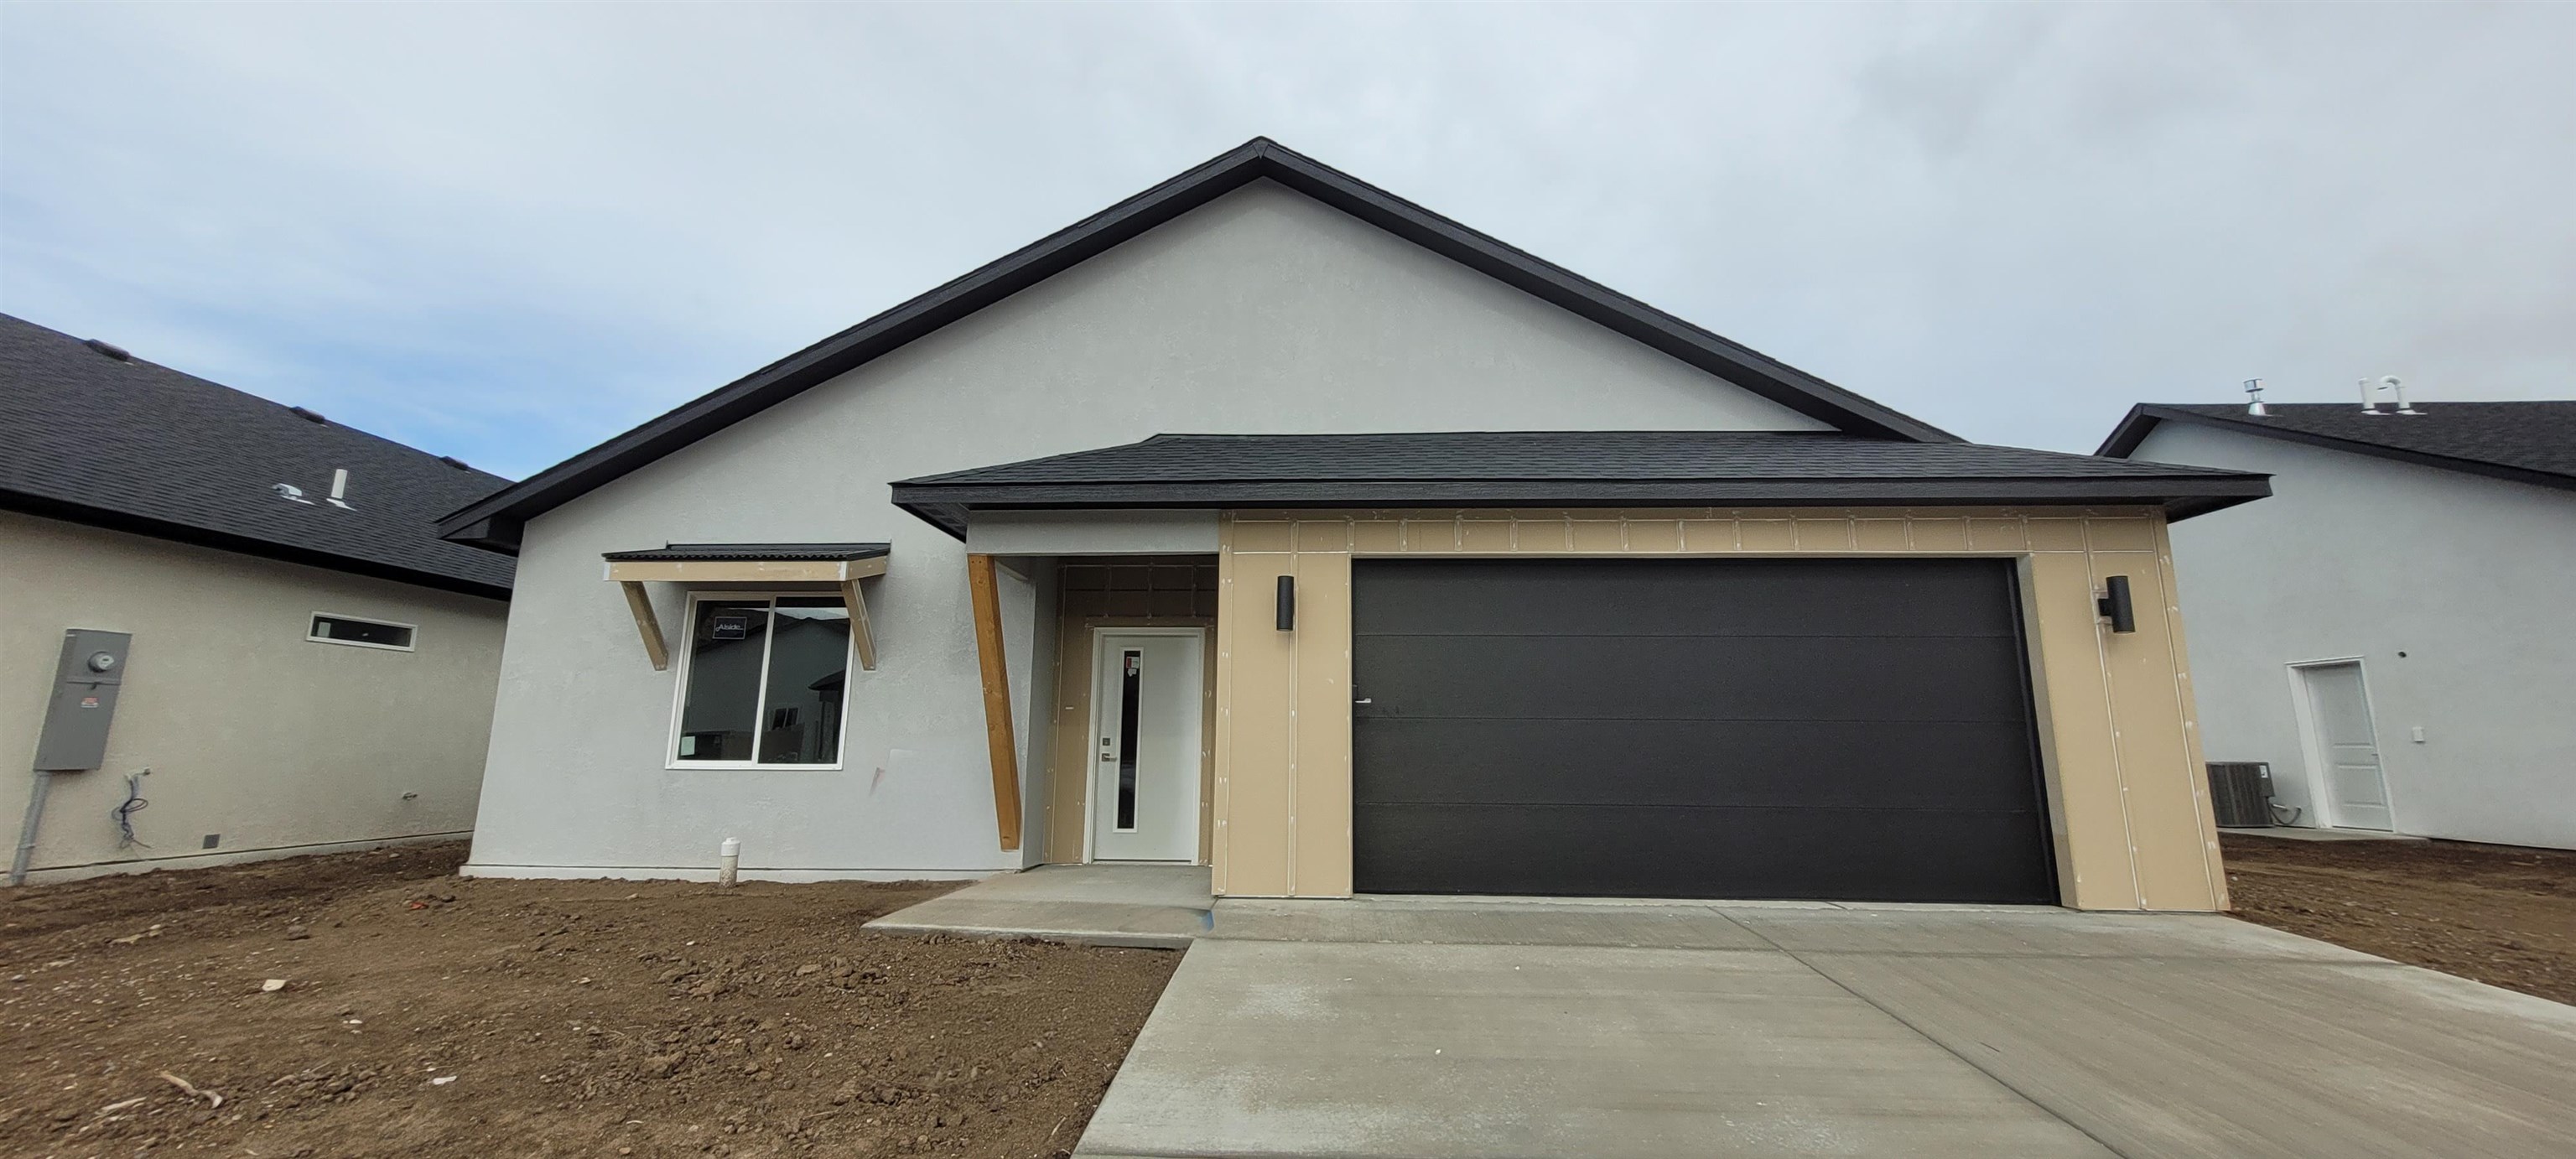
[131, 445]
[1553, 455]
[2517, 439]
[1564, 468]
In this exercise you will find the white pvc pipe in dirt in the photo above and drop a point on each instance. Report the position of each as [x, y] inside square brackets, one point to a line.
[728, 861]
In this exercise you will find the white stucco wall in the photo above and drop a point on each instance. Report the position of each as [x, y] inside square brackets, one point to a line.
[1144, 532]
[1260, 312]
[272, 742]
[2360, 556]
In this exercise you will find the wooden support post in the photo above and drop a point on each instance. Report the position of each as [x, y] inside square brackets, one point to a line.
[984, 587]
[658, 650]
[862, 634]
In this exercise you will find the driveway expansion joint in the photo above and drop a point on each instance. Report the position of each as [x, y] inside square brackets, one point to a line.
[1946, 1048]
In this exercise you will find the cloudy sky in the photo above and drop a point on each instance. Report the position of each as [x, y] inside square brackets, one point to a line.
[506, 232]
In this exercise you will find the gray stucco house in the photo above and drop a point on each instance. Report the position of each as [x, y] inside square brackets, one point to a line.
[1268, 522]
[2391, 630]
[302, 665]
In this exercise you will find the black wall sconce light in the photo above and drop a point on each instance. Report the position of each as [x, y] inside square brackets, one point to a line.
[2115, 606]
[1287, 603]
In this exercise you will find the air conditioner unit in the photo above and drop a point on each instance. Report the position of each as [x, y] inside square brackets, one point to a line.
[2241, 792]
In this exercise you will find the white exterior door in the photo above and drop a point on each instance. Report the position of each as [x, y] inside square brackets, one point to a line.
[2345, 747]
[1147, 690]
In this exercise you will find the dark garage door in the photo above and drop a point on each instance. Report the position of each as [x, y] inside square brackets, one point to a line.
[1845, 729]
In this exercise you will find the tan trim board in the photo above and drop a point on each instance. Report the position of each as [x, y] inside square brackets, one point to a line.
[983, 587]
[726, 571]
[2187, 702]
[657, 647]
[863, 634]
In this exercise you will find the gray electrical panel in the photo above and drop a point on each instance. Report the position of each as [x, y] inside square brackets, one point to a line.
[86, 681]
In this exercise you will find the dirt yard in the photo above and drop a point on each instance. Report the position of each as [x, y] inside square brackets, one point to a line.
[427, 1015]
[2501, 915]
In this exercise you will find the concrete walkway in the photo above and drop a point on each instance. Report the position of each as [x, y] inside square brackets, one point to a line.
[1447, 1027]
[2295, 833]
[1158, 906]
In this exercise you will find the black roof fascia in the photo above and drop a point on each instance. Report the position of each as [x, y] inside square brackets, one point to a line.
[130, 524]
[2142, 419]
[694, 552]
[946, 506]
[500, 534]
[502, 514]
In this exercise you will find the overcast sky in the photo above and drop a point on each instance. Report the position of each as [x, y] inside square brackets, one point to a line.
[506, 233]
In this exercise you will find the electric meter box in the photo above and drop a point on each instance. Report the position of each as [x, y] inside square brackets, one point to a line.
[86, 682]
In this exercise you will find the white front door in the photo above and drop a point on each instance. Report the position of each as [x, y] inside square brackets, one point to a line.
[1147, 690]
[2346, 747]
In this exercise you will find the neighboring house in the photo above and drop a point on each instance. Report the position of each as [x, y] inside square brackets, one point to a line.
[1696, 624]
[2391, 632]
[309, 667]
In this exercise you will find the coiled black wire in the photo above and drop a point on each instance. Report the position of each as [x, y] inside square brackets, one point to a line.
[124, 813]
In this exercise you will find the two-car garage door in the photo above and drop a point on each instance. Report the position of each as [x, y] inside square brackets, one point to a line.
[1844, 729]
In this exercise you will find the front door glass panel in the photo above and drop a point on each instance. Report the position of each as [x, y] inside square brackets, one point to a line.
[1131, 682]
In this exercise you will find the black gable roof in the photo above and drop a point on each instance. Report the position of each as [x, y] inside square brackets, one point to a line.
[90, 437]
[2528, 442]
[495, 522]
[1564, 469]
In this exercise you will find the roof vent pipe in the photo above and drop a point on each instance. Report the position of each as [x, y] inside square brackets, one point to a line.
[109, 349]
[2254, 397]
[2389, 383]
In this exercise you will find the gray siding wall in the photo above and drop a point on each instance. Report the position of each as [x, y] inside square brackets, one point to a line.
[275, 743]
[2358, 556]
[1261, 312]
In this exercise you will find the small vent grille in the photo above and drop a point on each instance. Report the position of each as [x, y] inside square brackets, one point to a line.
[2241, 793]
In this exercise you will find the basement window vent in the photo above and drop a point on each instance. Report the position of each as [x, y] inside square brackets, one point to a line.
[330, 629]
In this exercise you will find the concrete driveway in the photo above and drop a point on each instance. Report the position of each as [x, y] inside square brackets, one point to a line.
[1444, 1027]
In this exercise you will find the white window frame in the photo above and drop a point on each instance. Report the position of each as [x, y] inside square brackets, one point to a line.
[317, 638]
[671, 761]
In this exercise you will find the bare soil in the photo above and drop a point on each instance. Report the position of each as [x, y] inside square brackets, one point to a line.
[429, 1015]
[2499, 914]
